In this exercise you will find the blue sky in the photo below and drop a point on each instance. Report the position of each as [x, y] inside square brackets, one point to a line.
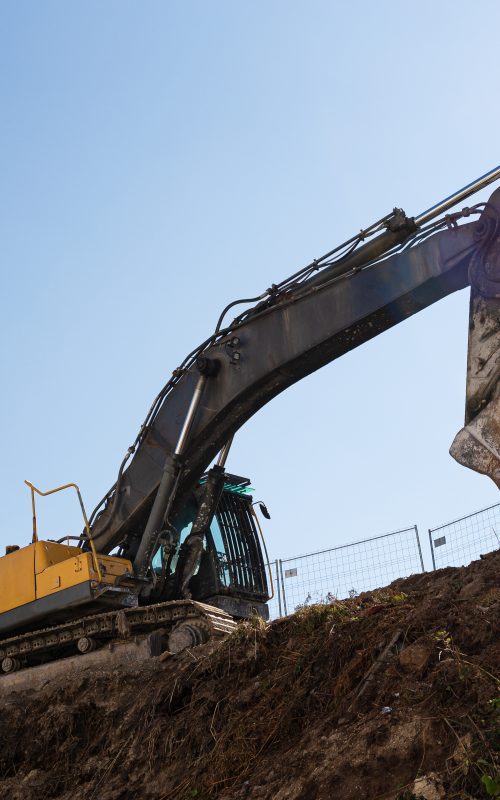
[160, 159]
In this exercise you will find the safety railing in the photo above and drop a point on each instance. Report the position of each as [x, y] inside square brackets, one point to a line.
[458, 543]
[344, 571]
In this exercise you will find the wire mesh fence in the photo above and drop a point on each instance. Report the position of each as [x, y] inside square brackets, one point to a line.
[344, 571]
[274, 603]
[458, 543]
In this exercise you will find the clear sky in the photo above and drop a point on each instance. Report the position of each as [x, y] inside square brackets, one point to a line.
[160, 159]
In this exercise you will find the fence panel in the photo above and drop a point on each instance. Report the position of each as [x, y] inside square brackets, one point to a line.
[346, 570]
[275, 604]
[458, 543]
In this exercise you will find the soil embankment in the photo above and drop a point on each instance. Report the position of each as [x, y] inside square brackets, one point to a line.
[393, 695]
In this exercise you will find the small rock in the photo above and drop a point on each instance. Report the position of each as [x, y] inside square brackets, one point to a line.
[376, 609]
[462, 751]
[473, 588]
[429, 787]
[415, 657]
[36, 777]
[165, 655]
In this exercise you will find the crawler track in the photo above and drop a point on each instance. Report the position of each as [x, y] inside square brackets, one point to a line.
[42, 645]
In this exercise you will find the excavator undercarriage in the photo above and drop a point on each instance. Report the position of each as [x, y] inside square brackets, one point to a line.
[176, 625]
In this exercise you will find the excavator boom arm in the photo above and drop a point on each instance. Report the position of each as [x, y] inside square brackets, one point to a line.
[279, 343]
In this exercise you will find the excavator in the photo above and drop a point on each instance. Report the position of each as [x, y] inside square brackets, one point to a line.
[174, 549]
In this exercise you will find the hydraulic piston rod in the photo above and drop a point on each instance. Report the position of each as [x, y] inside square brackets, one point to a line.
[221, 461]
[399, 229]
[188, 422]
[457, 197]
[170, 475]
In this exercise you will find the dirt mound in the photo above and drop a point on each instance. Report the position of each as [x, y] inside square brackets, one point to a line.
[393, 695]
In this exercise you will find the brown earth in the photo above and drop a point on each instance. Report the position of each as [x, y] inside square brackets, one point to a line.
[393, 695]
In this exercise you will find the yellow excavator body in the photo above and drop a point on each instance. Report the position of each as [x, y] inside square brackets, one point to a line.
[46, 577]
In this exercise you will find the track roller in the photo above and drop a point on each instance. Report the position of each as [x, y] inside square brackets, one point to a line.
[188, 634]
[10, 664]
[86, 644]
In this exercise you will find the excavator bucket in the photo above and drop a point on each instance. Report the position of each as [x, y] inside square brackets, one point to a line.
[477, 445]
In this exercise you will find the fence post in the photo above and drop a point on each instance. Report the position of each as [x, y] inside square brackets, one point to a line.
[283, 588]
[432, 550]
[419, 549]
[278, 587]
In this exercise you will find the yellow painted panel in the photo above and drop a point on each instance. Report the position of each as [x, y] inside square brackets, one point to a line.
[112, 566]
[49, 553]
[17, 578]
[65, 574]
[44, 568]
[77, 569]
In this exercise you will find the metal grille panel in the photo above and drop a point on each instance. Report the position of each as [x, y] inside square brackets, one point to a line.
[241, 565]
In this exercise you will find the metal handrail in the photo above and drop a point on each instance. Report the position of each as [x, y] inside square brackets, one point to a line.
[87, 528]
[254, 514]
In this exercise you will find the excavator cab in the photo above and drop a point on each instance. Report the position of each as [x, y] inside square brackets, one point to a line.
[231, 573]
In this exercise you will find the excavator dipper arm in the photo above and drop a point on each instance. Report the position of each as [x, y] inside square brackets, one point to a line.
[292, 334]
[477, 445]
